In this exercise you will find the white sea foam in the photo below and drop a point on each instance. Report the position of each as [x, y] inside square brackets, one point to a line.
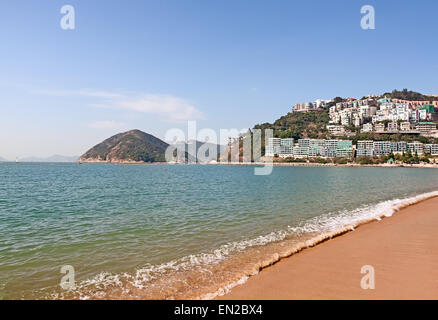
[333, 224]
[317, 229]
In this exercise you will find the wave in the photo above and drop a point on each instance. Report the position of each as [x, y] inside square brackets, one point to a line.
[215, 273]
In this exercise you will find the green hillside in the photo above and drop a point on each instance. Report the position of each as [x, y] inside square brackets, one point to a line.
[299, 125]
[406, 94]
[134, 145]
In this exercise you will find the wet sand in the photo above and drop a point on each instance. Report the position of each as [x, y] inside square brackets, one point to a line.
[402, 249]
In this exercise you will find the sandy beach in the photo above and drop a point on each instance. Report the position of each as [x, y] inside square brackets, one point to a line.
[402, 249]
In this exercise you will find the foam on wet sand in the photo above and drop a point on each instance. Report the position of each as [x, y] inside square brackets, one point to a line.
[402, 249]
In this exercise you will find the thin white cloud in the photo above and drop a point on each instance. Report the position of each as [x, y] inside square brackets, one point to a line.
[106, 124]
[170, 108]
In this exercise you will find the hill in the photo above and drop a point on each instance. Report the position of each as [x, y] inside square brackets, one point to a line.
[299, 125]
[313, 125]
[406, 94]
[192, 148]
[130, 146]
[296, 125]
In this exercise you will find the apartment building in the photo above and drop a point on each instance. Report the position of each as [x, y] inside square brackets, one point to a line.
[310, 106]
[380, 148]
[405, 126]
[344, 148]
[273, 147]
[352, 112]
[309, 148]
[356, 112]
[316, 147]
[301, 152]
[426, 127]
[336, 130]
[286, 147]
[392, 126]
[431, 149]
[331, 147]
[379, 127]
[280, 147]
[399, 147]
[416, 148]
[304, 107]
[367, 110]
[367, 127]
[365, 148]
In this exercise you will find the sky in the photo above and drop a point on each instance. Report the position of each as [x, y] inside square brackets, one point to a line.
[155, 64]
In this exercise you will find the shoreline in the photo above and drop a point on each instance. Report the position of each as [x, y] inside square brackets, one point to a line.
[402, 250]
[291, 164]
[349, 165]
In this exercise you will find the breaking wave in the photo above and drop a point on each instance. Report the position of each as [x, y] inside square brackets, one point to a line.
[214, 273]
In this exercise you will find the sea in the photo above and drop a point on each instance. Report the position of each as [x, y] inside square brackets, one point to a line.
[162, 231]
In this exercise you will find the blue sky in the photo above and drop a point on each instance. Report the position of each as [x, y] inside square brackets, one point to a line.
[152, 65]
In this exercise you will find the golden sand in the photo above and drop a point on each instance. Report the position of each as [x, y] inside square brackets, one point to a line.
[402, 250]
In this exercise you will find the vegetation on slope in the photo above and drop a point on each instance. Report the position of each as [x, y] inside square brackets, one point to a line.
[133, 145]
[406, 94]
[300, 125]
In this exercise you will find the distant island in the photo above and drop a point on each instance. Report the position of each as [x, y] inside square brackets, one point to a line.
[129, 147]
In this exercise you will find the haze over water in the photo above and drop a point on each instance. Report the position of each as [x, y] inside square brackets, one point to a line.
[172, 231]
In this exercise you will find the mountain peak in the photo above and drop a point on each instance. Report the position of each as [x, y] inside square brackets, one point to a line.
[130, 146]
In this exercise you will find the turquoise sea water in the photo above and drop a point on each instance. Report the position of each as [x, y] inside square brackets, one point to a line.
[173, 231]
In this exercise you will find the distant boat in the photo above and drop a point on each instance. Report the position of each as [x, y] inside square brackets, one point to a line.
[16, 160]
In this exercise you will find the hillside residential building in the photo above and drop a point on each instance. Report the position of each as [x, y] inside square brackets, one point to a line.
[365, 148]
[380, 148]
[309, 148]
[310, 106]
[379, 127]
[358, 113]
[367, 127]
[344, 148]
[393, 126]
[399, 147]
[336, 130]
[305, 148]
[273, 147]
[431, 149]
[416, 148]
[280, 147]
[426, 127]
[405, 126]
[286, 147]
[304, 107]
